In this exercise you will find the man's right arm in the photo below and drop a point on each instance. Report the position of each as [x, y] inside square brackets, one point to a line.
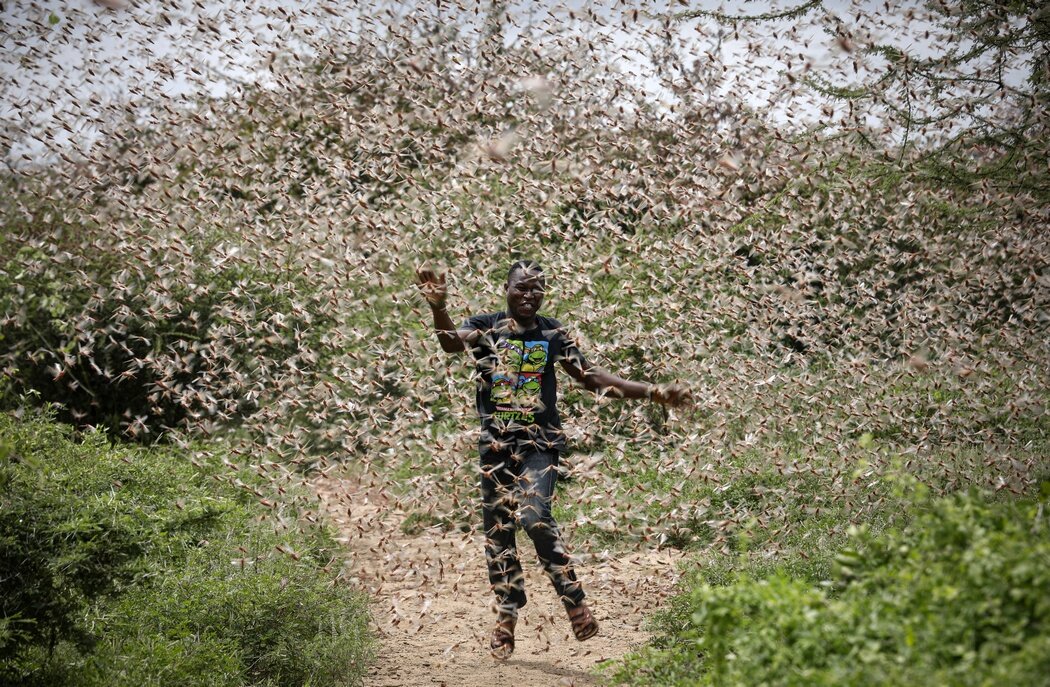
[435, 290]
[452, 340]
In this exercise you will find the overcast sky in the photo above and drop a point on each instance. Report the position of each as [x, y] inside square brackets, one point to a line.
[65, 66]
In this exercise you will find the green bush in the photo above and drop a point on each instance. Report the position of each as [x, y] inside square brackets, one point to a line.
[66, 536]
[122, 565]
[137, 351]
[958, 597]
[211, 623]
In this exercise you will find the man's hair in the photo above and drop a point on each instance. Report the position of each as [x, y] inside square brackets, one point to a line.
[529, 267]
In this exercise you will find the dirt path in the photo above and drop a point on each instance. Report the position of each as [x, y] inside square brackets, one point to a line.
[431, 606]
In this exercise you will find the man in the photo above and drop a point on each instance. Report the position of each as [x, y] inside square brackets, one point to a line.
[521, 436]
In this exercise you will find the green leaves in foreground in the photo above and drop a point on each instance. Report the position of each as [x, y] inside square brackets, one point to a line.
[959, 597]
[132, 566]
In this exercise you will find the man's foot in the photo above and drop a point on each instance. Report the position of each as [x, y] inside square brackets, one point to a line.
[501, 645]
[584, 626]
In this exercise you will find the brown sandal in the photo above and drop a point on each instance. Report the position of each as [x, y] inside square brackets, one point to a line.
[501, 644]
[584, 626]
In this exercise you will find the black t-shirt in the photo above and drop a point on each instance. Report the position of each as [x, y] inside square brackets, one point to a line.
[517, 392]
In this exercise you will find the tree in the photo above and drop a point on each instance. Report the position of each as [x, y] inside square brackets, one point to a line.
[969, 102]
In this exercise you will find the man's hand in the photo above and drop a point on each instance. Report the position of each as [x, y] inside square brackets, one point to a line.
[674, 395]
[433, 286]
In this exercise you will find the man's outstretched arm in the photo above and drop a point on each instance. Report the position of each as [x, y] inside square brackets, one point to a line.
[435, 290]
[594, 378]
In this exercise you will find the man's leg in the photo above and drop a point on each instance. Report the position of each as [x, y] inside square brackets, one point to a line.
[501, 555]
[536, 486]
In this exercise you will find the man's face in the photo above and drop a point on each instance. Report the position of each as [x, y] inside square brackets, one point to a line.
[524, 294]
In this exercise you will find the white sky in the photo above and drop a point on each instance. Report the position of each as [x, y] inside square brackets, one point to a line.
[67, 66]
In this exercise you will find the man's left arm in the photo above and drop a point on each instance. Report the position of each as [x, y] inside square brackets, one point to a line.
[596, 379]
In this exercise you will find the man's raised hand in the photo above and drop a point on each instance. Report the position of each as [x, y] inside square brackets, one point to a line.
[674, 395]
[433, 286]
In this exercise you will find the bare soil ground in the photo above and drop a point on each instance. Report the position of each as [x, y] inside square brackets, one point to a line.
[432, 602]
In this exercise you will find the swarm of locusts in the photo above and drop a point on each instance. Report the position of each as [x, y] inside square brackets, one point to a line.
[242, 269]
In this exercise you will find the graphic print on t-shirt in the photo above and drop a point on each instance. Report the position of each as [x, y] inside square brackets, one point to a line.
[516, 384]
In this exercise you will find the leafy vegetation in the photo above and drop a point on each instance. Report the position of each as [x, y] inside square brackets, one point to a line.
[132, 566]
[139, 351]
[956, 597]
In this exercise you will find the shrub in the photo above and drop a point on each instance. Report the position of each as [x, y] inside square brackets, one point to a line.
[122, 565]
[139, 350]
[65, 540]
[274, 622]
[958, 597]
